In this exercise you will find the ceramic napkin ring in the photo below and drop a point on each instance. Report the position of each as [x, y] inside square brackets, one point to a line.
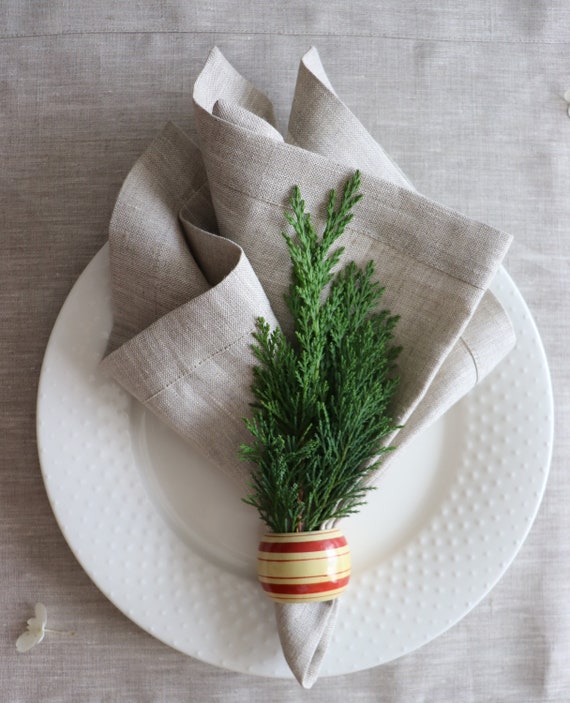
[304, 567]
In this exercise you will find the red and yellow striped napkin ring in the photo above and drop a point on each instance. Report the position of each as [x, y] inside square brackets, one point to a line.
[304, 567]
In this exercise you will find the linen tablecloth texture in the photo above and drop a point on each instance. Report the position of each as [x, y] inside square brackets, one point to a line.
[469, 100]
[196, 256]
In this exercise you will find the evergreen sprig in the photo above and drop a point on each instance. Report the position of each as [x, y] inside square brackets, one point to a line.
[321, 407]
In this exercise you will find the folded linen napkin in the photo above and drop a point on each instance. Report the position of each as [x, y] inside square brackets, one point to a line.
[196, 256]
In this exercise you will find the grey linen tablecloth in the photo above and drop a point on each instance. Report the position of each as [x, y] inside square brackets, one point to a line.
[469, 102]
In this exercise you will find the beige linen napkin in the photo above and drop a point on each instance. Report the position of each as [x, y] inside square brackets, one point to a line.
[185, 299]
[184, 303]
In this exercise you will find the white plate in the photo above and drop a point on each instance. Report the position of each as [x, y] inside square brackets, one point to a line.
[131, 499]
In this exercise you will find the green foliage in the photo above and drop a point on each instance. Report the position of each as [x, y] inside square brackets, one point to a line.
[321, 406]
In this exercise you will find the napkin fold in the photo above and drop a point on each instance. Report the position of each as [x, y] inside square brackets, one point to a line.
[196, 256]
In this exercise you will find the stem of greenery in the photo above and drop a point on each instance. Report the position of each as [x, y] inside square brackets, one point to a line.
[321, 407]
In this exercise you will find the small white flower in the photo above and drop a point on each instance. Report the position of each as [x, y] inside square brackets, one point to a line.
[36, 630]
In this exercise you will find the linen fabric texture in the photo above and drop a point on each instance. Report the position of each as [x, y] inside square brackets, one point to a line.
[197, 256]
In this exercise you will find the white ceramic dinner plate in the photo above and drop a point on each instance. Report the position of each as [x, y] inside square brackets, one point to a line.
[168, 541]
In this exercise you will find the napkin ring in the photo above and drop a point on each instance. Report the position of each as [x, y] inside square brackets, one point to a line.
[304, 567]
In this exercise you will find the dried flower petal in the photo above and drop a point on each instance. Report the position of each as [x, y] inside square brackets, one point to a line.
[36, 630]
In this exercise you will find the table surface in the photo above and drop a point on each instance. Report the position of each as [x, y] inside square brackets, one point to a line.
[469, 102]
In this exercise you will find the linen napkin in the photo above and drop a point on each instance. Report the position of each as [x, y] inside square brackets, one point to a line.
[196, 256]
[184, 303]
